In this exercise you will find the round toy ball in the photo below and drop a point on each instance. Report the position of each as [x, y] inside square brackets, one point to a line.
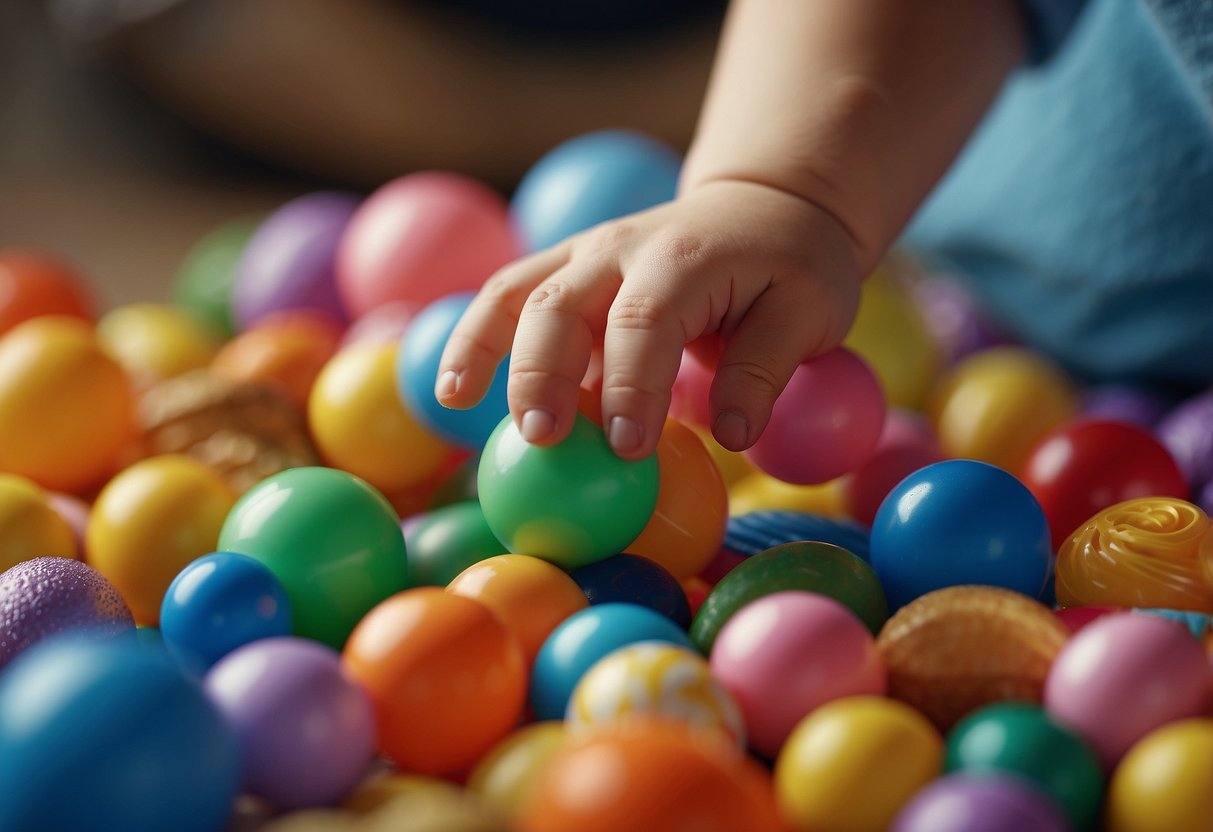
[99, 736]
[906, 444]
[446, 676]
[653, 679]
[289, 261]
[153, 520]
[689, 395]
[505, 776]
[996, 405]
[1123, 676]
[1021, 740]
[448, 540]
[806, 565]
[956, 320]
[423, 236]
[1205, 498]
[35, 283]
[530, 596]
[1187, 431]
[73, 511]
[1163, 782]
[757, 531]
[591, 179]
[382, 325]
[220, 602]
[572, 503]
[631, 579]
[985, 803]
[960, 522]
[1124, 403]
[417, 371]
[203, 282]
[286, 350]
[306, 730]
[1075, 618]
[332, 540]
[788, 653]
[650, 775]
[1086, 465]
[154, 341]
[584, 638]
[67, 410]
[30, 527]
[49, 595]
[854, 762]
[825, 422]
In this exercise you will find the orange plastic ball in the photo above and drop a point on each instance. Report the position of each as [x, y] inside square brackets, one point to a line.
[151, 521]
[34, 283]
[30, 527]
[650, 775]
[360, 425]
[67, 410]
[531, 596]
[446, 677]
[285, 349]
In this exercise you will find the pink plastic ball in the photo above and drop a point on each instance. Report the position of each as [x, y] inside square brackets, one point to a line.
[421, 237]
[825, 423]
[905, 445]
[787, 653]
[382, 325]
[689, 396]
[1122, 676]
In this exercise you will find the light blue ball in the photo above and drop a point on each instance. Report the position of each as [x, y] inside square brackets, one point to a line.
[960, 522]
[585, 637]
[591, 179]
[99, 736]
[219, 602]
[417, 370]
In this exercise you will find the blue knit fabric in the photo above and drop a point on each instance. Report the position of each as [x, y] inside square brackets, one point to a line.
[1081, 211]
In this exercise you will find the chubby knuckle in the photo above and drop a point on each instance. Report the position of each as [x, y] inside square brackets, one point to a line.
[756, 377]
[622, 383]
[551, 296]
[502, 286]
[678, 249]
[637, 312]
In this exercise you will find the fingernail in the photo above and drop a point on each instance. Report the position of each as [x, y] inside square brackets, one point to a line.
[537, 425]
[448, 384]
[625, 434]
[731, 429]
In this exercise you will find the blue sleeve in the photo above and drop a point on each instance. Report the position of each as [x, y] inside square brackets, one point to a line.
[1188, 26]
[1049, 21]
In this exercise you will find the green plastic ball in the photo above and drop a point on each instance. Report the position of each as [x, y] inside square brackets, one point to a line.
[573, 504]
[810, 566]
[1019, 738]
[203, 283]
[331, 539]
[447, 541]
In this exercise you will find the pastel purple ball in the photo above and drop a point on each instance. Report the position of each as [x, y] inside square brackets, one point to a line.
[46, 596]
[1122, 676]
[1124, 403]
[1187, 431]
[982, 803]
[307, 732]
[288, 263]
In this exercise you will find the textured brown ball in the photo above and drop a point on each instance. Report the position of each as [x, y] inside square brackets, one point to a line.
[954, 650]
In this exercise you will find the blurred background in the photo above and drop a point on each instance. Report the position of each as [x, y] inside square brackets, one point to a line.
[131, 128]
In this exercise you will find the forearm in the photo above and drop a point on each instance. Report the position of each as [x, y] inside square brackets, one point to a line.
[858, 106]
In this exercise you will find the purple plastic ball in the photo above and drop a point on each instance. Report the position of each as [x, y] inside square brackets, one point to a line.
[1124, 403]
[1205, 498]
[288, 262]
[960, 326]
[307, 732]
[45, 596]
[982, 803]
[1187, 431]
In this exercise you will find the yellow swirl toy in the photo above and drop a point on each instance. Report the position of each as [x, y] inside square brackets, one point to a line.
[1148, 552]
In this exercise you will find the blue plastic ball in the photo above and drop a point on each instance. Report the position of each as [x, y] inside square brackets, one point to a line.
[632, 579]
[97, 736]
[960, 522]
[758, 531]
[220, 602]
[585, 637]
[591, 179]
[417, 370]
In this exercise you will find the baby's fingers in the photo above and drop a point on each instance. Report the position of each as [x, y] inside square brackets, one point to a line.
[483, 336]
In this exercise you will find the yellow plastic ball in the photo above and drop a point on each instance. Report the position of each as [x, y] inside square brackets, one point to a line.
[375, 792]
[853, 763]
[505, 775]
[733, 465]
[29, 526]
[759, 492]
[150, 522]
[360, 425]
[67, 410]
[996, 404]
[891, 334]
[155, 341]
[1165, 781]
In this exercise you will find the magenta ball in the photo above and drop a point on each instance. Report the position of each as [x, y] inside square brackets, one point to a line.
[984, 802]
[289, 261]
[1122, 676]
[825, 423]
[422, 237]
[46, 596]
[785, 654]
[905, 445]
[689, 396]
[307, 732]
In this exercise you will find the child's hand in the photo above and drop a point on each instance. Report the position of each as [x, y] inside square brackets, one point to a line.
[774, 275]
